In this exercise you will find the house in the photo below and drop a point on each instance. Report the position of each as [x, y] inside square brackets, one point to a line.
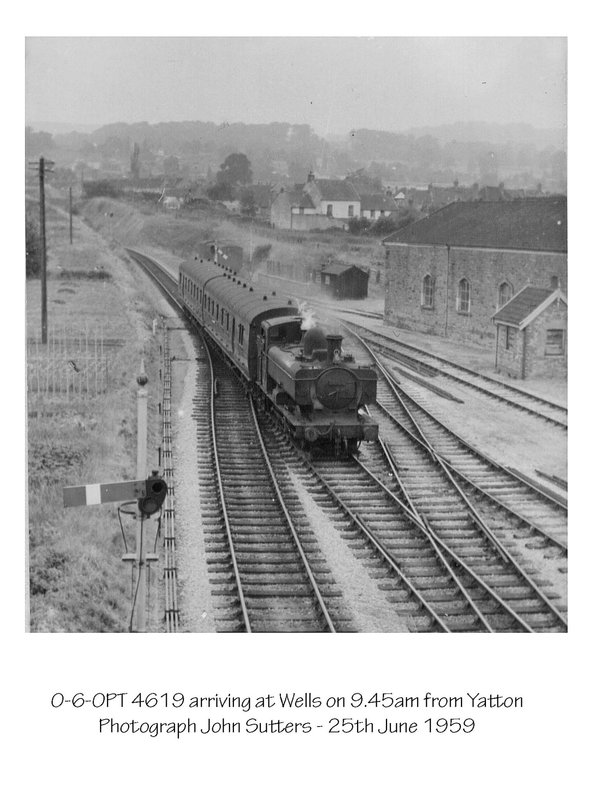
[374, 206]
[531, 338]
[448, 273]
[319, 203]
[342, 281]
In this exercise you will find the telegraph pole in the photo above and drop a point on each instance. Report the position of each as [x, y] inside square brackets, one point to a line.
[43, 167]
[71, 236]
[142, 453]
[43, 251]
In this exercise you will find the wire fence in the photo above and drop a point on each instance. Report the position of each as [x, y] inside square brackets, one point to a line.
[72, 363]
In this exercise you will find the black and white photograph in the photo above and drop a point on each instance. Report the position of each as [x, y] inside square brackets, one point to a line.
[290, 356]
[297, 339]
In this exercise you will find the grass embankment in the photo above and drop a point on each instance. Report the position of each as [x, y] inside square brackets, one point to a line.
[137, 225]
[79, 434]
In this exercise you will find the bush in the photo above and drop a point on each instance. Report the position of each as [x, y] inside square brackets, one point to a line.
[359, 225]
[261, 253]
[101, 189]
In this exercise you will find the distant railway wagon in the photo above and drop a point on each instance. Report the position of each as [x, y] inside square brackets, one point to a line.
[319, 393]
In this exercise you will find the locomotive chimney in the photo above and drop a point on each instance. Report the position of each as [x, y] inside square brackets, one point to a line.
[333, 345]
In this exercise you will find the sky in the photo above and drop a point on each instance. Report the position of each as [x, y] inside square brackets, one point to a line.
[333, 84]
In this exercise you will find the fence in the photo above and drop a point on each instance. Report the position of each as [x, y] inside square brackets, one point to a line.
[71, 363]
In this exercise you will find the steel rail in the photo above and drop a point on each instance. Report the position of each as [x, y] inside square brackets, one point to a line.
[485, 529]
[222, 499]
[435, 542]
[438, 545]
[533, 526]
[387, 557]
[305, 562]
[171, 609]
[552, 498]
[478, 375]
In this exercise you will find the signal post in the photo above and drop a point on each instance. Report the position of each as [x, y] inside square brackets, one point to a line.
[149, 492]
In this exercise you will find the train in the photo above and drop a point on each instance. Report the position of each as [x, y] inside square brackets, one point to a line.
[299, 372]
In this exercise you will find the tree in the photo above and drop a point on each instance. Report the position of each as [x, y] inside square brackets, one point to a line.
[219, 192]
[248, 203]
[235, 169]
[171, 166]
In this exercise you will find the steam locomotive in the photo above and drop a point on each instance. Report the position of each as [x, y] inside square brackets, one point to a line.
[319, 393]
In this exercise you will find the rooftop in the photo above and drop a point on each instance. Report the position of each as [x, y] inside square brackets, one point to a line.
[533, 223]
[526, 305]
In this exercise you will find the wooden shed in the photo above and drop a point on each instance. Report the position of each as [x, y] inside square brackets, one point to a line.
[343, 281]
[531, 336]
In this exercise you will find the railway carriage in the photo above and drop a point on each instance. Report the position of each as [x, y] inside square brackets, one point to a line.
[319, 393]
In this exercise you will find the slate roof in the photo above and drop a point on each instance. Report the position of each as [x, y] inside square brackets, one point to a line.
[376, 201]
[339, 269]
[336, 190]
[300, 199]
[522, 305]
[533, 223]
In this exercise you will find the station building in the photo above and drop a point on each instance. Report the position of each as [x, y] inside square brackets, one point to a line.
[449, 273]
[531, 336]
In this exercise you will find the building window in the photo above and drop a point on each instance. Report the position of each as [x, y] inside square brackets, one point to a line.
[372, 213]
[301, 209]
[505, 293]
[241, 334]
[427, 292]
[554, 343]
[509, 337]
[329, 210]
[350, 211]
[554, 282]
[463, 300]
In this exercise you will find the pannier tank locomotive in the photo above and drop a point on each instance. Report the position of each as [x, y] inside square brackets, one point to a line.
[319, 393]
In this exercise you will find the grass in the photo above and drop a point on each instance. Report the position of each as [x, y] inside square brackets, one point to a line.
[137, 225]
[77, 579]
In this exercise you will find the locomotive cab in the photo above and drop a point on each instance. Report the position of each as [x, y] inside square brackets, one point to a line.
[282, 332]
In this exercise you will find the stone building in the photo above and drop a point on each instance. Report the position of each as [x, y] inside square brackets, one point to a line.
[317, 204]
[532, 334]
[450, 272]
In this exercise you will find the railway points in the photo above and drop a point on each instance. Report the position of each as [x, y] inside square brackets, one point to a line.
[473, 553]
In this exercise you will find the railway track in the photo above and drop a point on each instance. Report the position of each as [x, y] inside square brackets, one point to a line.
[542, 511]
[171, 605]
[454, 579]
[445, 564]
[428, 364]
[267, 571]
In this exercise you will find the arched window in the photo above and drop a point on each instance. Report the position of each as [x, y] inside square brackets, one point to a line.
[427, 291]
[463, 300]
[505, 293]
